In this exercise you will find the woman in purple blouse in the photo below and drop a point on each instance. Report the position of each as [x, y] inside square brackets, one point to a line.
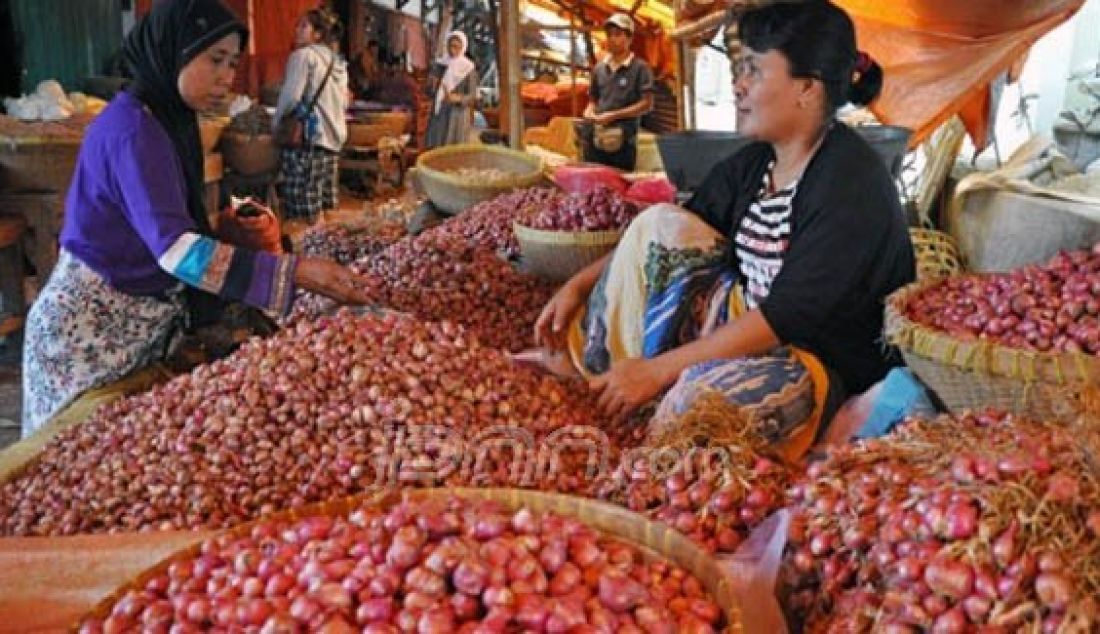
[137, 256]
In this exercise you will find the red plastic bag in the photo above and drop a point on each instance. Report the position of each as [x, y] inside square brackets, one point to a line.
[651, 191]
[586, 178]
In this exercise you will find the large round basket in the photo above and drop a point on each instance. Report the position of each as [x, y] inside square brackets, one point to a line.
[250, 155]
[977, 373]
[452, 194]
[559, 255]
[653, 539]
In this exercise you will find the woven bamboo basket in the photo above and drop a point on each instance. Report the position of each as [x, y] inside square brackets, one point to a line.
[977, 373]
[452, 194]
[653, 539]
[936, 253]
[250, 155]
[559, 255]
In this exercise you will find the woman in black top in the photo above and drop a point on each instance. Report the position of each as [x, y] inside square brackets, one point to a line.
[779, 291]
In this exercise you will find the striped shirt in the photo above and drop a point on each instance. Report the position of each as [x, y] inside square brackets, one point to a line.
[762, 241]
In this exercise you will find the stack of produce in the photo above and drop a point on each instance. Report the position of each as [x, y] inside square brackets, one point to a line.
[1053, 307]
[325, 409]
[714, 491]
[489, 224]
[346, 244]
[439, 565]
[439, 277]
[948, 525]
[600, 209]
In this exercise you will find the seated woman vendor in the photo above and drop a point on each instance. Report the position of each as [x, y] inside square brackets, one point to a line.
[767, 290]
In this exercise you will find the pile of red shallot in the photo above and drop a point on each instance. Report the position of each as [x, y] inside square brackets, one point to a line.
[324, 409]
[1053, 307]
[489, 224]
[600, 209]
[442, 277]
[715, 497]
[432, 566]
[345, 244]
[948, 525]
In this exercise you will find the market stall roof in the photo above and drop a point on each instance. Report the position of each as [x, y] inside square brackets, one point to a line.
[940, 56]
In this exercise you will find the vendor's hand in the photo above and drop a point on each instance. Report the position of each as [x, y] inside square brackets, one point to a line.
[328, 278]
[456, 98]
[629, 384]
[550, 328]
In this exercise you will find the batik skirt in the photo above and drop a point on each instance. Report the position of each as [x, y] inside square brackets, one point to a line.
[668, 283]
[82, 333]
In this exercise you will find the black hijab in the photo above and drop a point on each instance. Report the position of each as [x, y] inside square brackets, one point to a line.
[156, 50]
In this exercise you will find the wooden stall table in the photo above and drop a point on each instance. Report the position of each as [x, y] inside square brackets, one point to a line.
[12, 302]
[37, 159]
[43, 212]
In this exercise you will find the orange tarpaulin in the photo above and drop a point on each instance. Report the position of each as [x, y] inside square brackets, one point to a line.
[48, 584]
[939, 56]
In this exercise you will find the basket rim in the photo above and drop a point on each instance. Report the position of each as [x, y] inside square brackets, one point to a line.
[517, 179]
[981, 356]
[559, 236]
[549, 502]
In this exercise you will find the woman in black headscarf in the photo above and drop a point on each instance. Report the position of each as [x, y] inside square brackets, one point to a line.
[137, 251]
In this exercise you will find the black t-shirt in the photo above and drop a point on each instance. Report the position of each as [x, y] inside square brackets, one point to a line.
[849, 249]
[619, 88]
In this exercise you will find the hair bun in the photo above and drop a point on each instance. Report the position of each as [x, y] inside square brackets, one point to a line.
[866, 80]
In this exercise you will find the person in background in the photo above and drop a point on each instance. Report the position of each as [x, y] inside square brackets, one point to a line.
[768, 290]
[366, 71]
[315, 70]
[455, 97]
[138, 257]
[620, 93]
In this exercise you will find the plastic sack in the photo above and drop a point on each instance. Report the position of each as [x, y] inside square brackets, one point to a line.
[755, 571]
[651, 191]
[586, 178]
[248, 224]
[902, 395]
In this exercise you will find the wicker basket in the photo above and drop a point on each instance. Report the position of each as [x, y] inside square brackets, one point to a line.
[452, 194]
[559, 255]
[936, 254]
[250, 155]
[655, 540]
[977, 373]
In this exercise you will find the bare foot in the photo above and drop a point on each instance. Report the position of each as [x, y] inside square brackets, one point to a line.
[556, 362]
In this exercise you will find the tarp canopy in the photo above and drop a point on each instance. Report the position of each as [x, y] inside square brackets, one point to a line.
[941, 56]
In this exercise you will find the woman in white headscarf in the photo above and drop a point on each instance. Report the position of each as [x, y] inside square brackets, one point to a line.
[456, 96]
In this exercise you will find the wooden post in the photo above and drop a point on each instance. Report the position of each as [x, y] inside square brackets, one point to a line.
[511, 104]
[572, 68]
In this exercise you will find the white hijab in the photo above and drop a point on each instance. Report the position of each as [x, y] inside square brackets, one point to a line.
[457, 68]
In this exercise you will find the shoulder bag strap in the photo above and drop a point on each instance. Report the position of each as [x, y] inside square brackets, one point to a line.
[324, 81]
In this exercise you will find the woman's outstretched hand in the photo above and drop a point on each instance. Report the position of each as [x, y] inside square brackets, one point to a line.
[550, 328]
[628, 385]
[332, 280]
